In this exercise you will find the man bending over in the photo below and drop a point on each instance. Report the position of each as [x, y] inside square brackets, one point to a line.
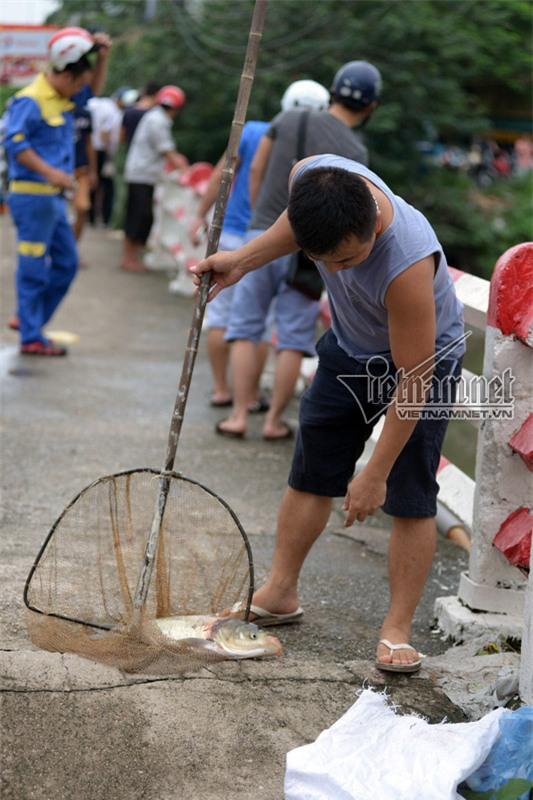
[395, 316]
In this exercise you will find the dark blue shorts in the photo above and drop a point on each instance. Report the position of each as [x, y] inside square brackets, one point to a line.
[337, 418]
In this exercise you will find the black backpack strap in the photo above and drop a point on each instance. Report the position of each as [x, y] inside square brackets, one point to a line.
[301, 135]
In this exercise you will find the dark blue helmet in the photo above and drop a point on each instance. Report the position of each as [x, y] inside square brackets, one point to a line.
[356, 85]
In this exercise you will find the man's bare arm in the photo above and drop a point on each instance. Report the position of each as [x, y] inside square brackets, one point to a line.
[258, 167]
[207, 200]
[178, 160]
[100, 68]
[29, 158]
[411, 317]
[229, 267]
[92, 163]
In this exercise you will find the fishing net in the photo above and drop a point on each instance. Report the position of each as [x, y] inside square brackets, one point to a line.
[79, 593]
[140, 546]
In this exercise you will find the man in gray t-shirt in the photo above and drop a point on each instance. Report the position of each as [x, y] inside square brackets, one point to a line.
[151, 146]
[354, 96]
[325, 133]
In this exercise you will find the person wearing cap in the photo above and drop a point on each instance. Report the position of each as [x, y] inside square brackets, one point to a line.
[306, 126]
[39, 142]
[134, 113]
[151, 145]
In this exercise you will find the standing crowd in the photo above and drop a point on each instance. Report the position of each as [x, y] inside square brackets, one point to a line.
[305, 213]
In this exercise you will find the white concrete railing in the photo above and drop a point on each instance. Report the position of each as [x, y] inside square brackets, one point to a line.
[493, 594]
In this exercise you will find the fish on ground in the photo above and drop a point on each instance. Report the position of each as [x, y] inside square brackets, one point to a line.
[225, 636]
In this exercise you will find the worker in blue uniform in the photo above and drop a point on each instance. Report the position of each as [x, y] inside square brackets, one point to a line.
[39, 142]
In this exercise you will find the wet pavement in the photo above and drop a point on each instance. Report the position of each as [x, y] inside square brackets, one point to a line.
[73, 729]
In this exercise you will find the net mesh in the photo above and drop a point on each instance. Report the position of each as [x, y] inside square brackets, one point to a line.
[79, 594]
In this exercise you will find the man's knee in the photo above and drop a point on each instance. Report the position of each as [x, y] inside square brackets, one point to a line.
[32, 273]
[63, 271]
[407, 524]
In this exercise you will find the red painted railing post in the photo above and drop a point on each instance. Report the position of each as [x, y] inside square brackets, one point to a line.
[504, 483]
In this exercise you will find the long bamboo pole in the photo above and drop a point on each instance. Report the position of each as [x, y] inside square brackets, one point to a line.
[241, 107]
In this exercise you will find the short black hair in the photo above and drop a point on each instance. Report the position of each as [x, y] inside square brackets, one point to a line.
[328, 204]
[77, 68]
[152, 88]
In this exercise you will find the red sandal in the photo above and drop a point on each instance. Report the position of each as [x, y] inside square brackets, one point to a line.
[39, 348]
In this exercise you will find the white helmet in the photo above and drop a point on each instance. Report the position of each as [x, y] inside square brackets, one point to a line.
[305, 94]
[68, 45]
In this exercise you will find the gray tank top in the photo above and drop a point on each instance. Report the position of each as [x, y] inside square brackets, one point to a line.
[357, 295]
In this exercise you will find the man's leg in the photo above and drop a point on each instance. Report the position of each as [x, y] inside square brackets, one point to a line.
[301, 519]
[131, 256]
[95, 211]
[108, 198]
[296, 317]
[243, 359]
[34, 218]
[246, 327]
[330, 439]
[411, 501]
[218, 354]
[137, 224]
[412, 546]
[82, 200]
[79, 223]
[64, 262]
[288, 363]
[218, 349]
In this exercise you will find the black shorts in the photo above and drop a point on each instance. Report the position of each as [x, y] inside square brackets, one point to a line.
[336, 421]
[139, 215]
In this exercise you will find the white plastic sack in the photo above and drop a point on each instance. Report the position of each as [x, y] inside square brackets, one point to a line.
[371, 753]
[176, 200]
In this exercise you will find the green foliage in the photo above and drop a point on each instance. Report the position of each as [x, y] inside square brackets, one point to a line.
[476, 225]
[5, 93]
[445, 65]
[502, 644]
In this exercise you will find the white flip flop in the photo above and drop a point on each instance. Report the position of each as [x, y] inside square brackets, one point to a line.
[414, 666]
[266, 618]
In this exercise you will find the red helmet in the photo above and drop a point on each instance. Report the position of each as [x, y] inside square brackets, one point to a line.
[68, 45]
[171, 96]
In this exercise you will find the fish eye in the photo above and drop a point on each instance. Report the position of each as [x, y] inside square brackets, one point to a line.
[253, 636]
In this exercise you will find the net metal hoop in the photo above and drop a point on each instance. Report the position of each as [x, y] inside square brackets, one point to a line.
[104, 478]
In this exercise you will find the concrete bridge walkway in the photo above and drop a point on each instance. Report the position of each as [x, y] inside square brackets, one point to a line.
[74, 729]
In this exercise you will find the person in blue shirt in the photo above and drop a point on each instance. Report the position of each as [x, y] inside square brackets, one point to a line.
[236, 219]
[39, 143]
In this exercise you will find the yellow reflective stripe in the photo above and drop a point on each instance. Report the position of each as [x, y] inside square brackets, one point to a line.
[32, 187]
[35, 249]
[51, 104]
[18, 137]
